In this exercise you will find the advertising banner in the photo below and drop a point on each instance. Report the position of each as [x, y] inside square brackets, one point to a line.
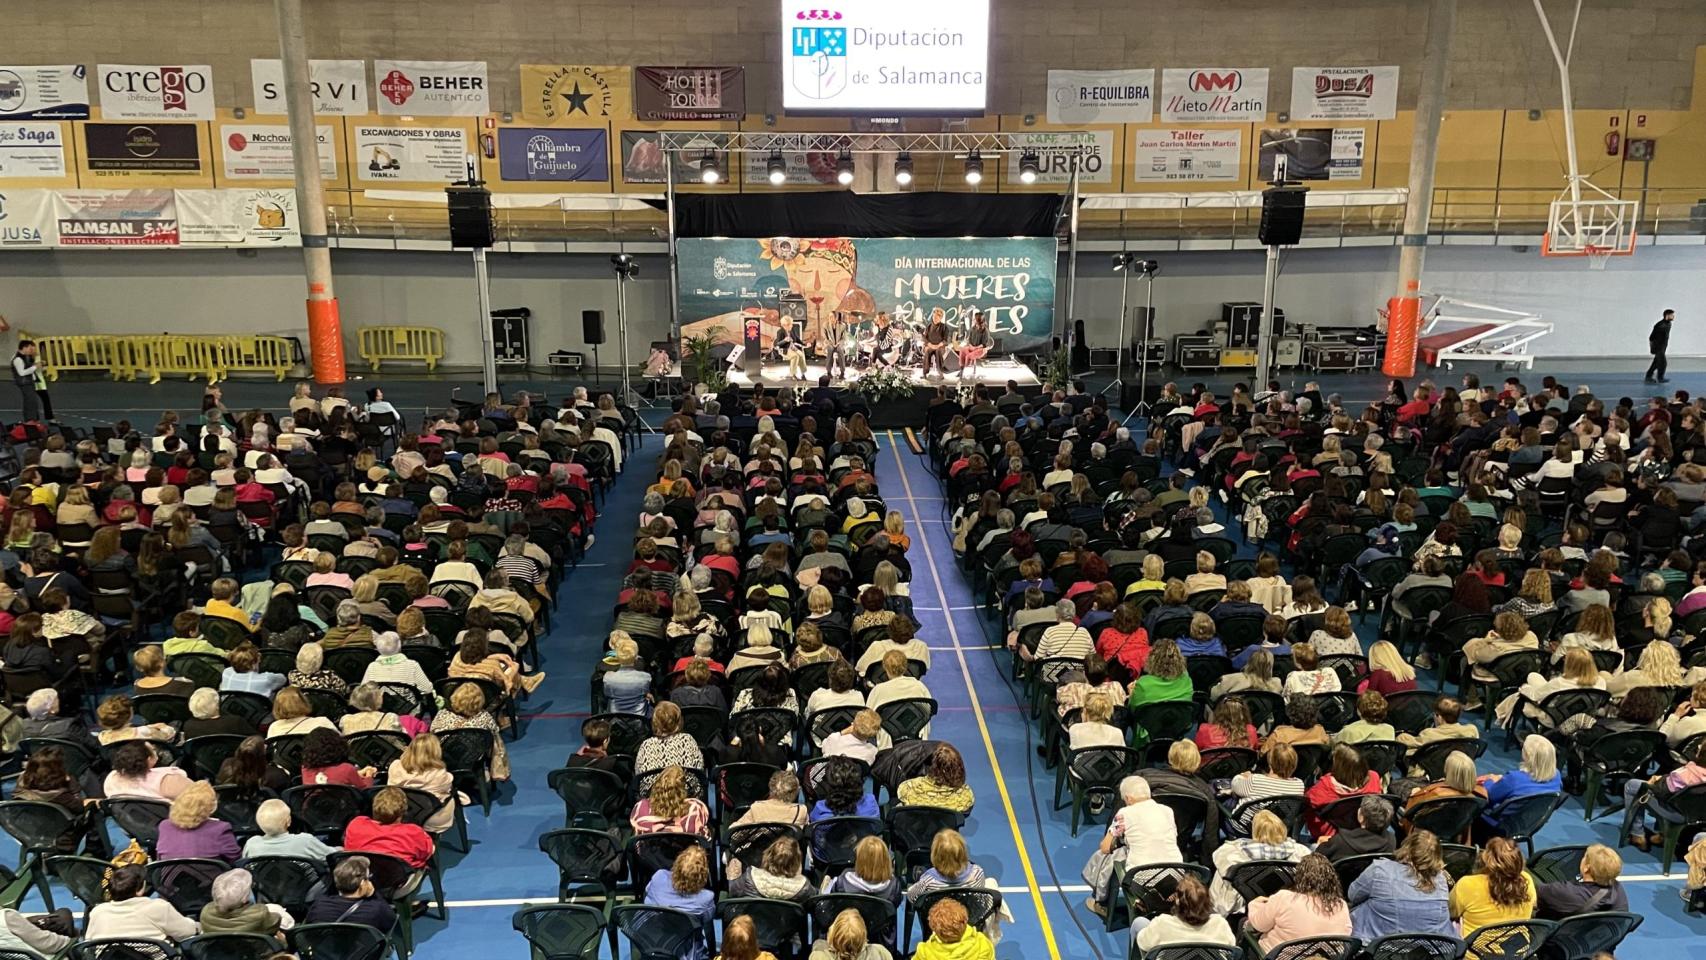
[1011, 279]
[261, 152]
[116, 218]
[243, 218]
[134, 91]
[142, 147]
[1313, 153]
[29, 150]
[1184, 155]
[409, 154]
[339, 86]
[1101, 96]
[44, 93]
[689, 93]
[26, 219]
[1214, 94]
[566, 94]
[803, 167]
[643, 160]
[1057, 151]
[885, 56]
[540, 153]
[432, 88]
[1344, 93]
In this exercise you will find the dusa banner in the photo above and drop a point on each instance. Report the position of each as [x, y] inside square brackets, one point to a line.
[1011, 279]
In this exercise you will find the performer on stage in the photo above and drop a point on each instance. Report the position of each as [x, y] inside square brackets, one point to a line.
[791, 348]
[936, 342]
[840, 344]
[889, 336]
[977, 344]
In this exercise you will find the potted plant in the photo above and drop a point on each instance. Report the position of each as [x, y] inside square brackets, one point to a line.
[1057, 373]
[706, 369]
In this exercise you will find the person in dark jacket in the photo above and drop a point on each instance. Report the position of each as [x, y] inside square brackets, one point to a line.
[354, 900]
[1374, 816]
[1597, 889]
[1657, 343]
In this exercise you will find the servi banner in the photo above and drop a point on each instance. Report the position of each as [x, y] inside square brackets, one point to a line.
[432, 88]
[1219, 94]
[44, 93]
[689, 93]
[132, 91]
[339, 86]
[1344, 93]
[1010, 279]
[1101, 96]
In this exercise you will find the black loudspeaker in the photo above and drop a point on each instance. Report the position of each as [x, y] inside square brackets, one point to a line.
[470, 217]
[1282, 216]
[592, 326]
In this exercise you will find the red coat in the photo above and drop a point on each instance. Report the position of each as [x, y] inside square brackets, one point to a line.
[1209, 736]
[1129, 650]
[1325, 791]
[407, 842]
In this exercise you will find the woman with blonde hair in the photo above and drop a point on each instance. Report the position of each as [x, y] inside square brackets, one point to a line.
[1660, 665]
[895, 526]
[191, 831]
[872, 873]
[1536, 773]
[1533, 597]
[1388, 671]
[1596, 629]
[740, 934]
[1579, 671]
[421, 767]
[1268, 840]
[1458, 781]
[950, 866]
[685, 886]
[1154, 576]
[846, 939]
[668, 809]
[467, 709]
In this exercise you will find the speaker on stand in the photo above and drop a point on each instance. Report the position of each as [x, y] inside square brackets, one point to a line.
[592, 332]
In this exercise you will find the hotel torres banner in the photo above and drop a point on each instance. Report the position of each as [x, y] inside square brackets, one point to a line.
[1101, 96]
[339, 86]
[1344, 93]
[1011, 279]
[432, 88]
[570, 94]
[44, 93]
[888, 57]
[689, 93]
[1214, 94]
[131, 91]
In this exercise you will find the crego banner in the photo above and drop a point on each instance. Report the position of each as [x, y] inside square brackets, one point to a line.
[29, 150]
[261, 152]
[689, 93]
[116, 218]
[1344, 93]
[568, 94]
[432, 88]
[1011, 279]
[238, 218]
[149, 92]
[1101, 96]
[1217, 94]
[339, 86]
[44, 93]
[541, 153]
[1056, 152]
[411, 154]
[26, 219]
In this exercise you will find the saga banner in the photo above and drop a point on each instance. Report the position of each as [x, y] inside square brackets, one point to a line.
[44, 93]
[689, 93]
[116, 218]
[31, 150]
[238, 218]
[432, 88]
[569, 94]
[1344, 93]
[1011, 279]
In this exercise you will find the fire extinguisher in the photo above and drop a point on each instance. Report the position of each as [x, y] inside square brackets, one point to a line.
[488, 146]
[1613, 144]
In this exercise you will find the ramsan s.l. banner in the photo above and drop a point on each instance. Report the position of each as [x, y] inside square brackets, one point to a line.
[1011, 279]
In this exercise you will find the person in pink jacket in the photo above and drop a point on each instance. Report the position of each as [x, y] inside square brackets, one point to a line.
[1314, 906]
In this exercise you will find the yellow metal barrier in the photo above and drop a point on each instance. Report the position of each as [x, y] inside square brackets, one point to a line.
[58, 354]
[206, 357]
[419, 344]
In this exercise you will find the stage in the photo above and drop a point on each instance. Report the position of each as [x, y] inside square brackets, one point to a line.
[991, 373]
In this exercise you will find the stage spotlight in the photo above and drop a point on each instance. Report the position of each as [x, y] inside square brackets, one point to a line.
[903, 169]
[708, 170]
[974, 168]
[844, 168]
[1029, 166]
[778, 168]
[626, 268]
[1121, 261]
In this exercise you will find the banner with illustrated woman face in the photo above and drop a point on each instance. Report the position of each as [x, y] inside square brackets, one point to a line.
[723, 282]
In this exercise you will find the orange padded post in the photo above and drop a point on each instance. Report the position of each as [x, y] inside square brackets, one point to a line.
[326, 341]
[1403, 320]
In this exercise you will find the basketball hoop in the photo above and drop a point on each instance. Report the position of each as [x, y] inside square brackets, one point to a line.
[1595, 227]
[1597, 256]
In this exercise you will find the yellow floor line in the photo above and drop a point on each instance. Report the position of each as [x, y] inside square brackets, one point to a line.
[982, 725]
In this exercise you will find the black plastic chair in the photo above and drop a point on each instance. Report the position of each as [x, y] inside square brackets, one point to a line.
[1632, 753]
[659, 933]
[186, 883]
[139, 819]
[833, 840]
[1446, 817]
[584, 858]
[1260, 878]
[1512, 940]
[907, 719]
[161, 708]
[880, 915]
[289, 882]
[1351, 867]
[649, 853]
[981, 903]
[397, 883]
[37, 827]
[739, 786]
[561, 931]
[1194, 951]
[590, 797]
[376, 748]
[780, 924]
[85, 877]
[229, 946]
[1560, 864]
[1095, 771]
[207, 753]
[748, 842]
[1411, 711]
[1146, 891]
[468, 756]
[325, 809]
[338, 941]
[1316, 948]
[1584, 935]
[124, 948]
[1224, 763]
[1415, 946]
[1522, 818]
[285, 752]
[1288, 807]
[1431, 757]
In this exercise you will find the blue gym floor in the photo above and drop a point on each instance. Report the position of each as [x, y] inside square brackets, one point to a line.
[1014, 833]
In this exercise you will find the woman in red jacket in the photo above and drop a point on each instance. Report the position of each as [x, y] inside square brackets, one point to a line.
[1125, 642]
[1229, 727]
[386, 832]
[1350, 777]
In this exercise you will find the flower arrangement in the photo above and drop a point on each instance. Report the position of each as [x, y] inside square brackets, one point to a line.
[881, 385]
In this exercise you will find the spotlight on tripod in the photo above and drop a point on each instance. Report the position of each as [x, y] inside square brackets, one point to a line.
[625, 265]
[1128, 264]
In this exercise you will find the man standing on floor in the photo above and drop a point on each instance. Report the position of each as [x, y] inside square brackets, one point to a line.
[1657, 342]
[32, 384]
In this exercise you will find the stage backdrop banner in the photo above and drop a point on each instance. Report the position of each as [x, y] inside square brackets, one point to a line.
[44, 93]
[689, 93]
[1011, 279]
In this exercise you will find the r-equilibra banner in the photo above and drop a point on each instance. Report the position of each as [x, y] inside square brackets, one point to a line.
[1010, 279]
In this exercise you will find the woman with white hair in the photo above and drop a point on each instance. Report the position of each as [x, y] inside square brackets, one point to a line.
[276, 840]
[393, 667]
[349, 631]
[311, 672]
[1141, 832]
[206, 721]
[1537, 774]
[368, 713]
[43, 722]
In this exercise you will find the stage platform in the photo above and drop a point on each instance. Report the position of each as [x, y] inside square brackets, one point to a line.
[993, 373]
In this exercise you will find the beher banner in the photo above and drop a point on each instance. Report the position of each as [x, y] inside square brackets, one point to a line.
[339, 86]
[1344, 93]
[1101, 96]
[116, 218]
[567, 94]
[1218, 94]
[132, 91]
[689, 93]
[44, 93]
[432, 88]
[541, 153]
[1011, 279]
